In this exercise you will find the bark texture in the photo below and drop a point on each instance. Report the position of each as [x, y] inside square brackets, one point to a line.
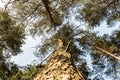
[60, 67]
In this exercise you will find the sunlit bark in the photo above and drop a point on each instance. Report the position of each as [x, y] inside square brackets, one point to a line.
[60, 67]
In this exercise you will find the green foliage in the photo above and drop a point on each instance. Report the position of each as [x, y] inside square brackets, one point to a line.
[37, 15]
[95, 11]
[11, 36]
[7, 70]
[64, 34]
[109, 43]
[45, 15]
[11, 40]
[26, 73]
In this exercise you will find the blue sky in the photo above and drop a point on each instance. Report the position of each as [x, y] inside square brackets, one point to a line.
[27, 57]
[104, 29]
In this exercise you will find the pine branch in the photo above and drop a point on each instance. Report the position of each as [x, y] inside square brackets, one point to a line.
[109, 4]
[67, 46]
[35, 9]
[7, 4]
[48, 56]
[47, 7]
[80, 74]
[110, 54]
[60, 45]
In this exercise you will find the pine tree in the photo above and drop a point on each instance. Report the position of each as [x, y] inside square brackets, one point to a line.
[60, 66]
[48, 15]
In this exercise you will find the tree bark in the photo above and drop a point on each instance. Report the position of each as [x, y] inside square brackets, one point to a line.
[60, 67]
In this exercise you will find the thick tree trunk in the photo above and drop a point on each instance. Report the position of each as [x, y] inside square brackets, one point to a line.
[60, 67]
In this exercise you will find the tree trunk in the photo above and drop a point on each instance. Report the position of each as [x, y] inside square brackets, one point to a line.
[60, 67]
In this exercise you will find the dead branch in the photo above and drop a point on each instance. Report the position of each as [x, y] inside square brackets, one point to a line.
[108, 53]
[80, 73]
[67, 46]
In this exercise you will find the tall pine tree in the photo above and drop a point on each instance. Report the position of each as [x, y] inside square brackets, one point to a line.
[49, 16]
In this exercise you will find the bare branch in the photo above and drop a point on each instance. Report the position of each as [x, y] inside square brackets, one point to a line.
[80, 73]
[67, 46]
[7, 4]
[110, 54]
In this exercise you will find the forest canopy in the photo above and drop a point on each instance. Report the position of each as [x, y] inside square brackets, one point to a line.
[68, 20]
